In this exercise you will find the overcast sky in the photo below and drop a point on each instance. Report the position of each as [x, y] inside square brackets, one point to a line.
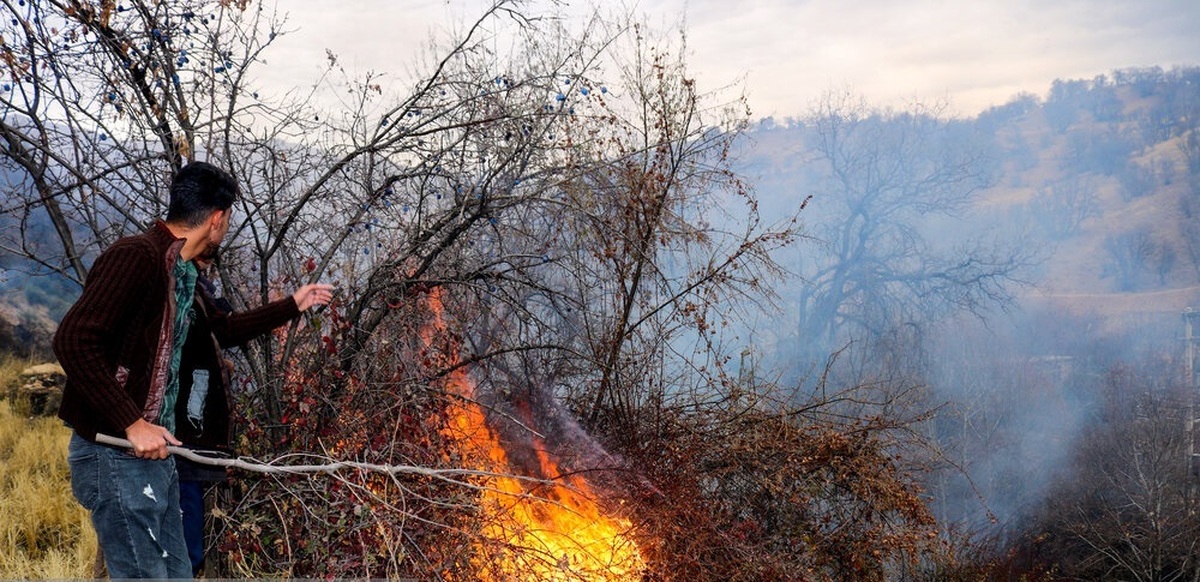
[973, 53]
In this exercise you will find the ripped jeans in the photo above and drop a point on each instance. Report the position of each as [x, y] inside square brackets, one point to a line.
[135, 509]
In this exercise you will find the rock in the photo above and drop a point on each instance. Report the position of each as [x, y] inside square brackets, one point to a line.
[44, 370]
[38, 390]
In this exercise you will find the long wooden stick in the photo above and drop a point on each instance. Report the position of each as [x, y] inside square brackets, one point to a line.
[453, 476]
[331, 467]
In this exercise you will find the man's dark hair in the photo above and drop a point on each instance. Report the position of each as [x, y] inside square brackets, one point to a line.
[197, 190]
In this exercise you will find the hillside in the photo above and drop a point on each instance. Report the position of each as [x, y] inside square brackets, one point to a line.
[1101, 177]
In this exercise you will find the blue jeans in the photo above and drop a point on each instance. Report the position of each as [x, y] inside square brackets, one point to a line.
[135, 509]
[191, 501]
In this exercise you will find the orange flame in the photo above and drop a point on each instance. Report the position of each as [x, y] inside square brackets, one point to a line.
[533, 530]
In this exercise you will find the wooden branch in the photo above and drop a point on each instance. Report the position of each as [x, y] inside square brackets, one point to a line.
[331, 467]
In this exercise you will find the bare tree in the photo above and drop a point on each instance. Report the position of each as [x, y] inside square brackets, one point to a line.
[886, 263]
[1128, 256]
[1061, 207]
[1127, 507]
[1189, 204]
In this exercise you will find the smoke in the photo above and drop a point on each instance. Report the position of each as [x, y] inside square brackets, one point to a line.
[1083, 201]
[1020, 393]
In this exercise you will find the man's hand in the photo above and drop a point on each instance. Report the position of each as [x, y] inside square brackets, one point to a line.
[313, 294]
[149, 440]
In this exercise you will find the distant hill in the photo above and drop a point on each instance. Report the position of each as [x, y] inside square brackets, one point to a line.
[30, 307]
[32, 299]
[1103, 175]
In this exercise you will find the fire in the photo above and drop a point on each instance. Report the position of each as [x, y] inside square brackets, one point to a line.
[533, 530]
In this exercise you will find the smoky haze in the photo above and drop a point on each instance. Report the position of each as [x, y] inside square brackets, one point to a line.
[1015, 266]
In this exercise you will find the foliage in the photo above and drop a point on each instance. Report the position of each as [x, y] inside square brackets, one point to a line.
[368, 524]
[789, 496]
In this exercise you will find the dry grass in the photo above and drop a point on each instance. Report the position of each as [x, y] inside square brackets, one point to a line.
[44, 532]
[10, 371]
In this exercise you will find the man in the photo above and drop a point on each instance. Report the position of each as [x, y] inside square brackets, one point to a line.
[120, 345]
[202, 415]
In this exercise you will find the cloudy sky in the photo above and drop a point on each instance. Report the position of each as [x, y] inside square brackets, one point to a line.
[786, 53]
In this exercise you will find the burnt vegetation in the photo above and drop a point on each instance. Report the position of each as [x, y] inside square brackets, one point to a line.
[859, 344]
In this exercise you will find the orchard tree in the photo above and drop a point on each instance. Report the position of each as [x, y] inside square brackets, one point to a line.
[104, 101]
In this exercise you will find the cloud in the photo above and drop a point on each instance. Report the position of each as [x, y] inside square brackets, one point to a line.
[976, 53]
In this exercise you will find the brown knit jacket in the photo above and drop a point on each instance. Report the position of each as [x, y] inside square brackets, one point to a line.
[115, 342]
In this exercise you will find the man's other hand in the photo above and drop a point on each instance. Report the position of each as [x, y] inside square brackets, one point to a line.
[313, 294]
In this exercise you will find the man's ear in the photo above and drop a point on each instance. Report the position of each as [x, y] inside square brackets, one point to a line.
[215, 219]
